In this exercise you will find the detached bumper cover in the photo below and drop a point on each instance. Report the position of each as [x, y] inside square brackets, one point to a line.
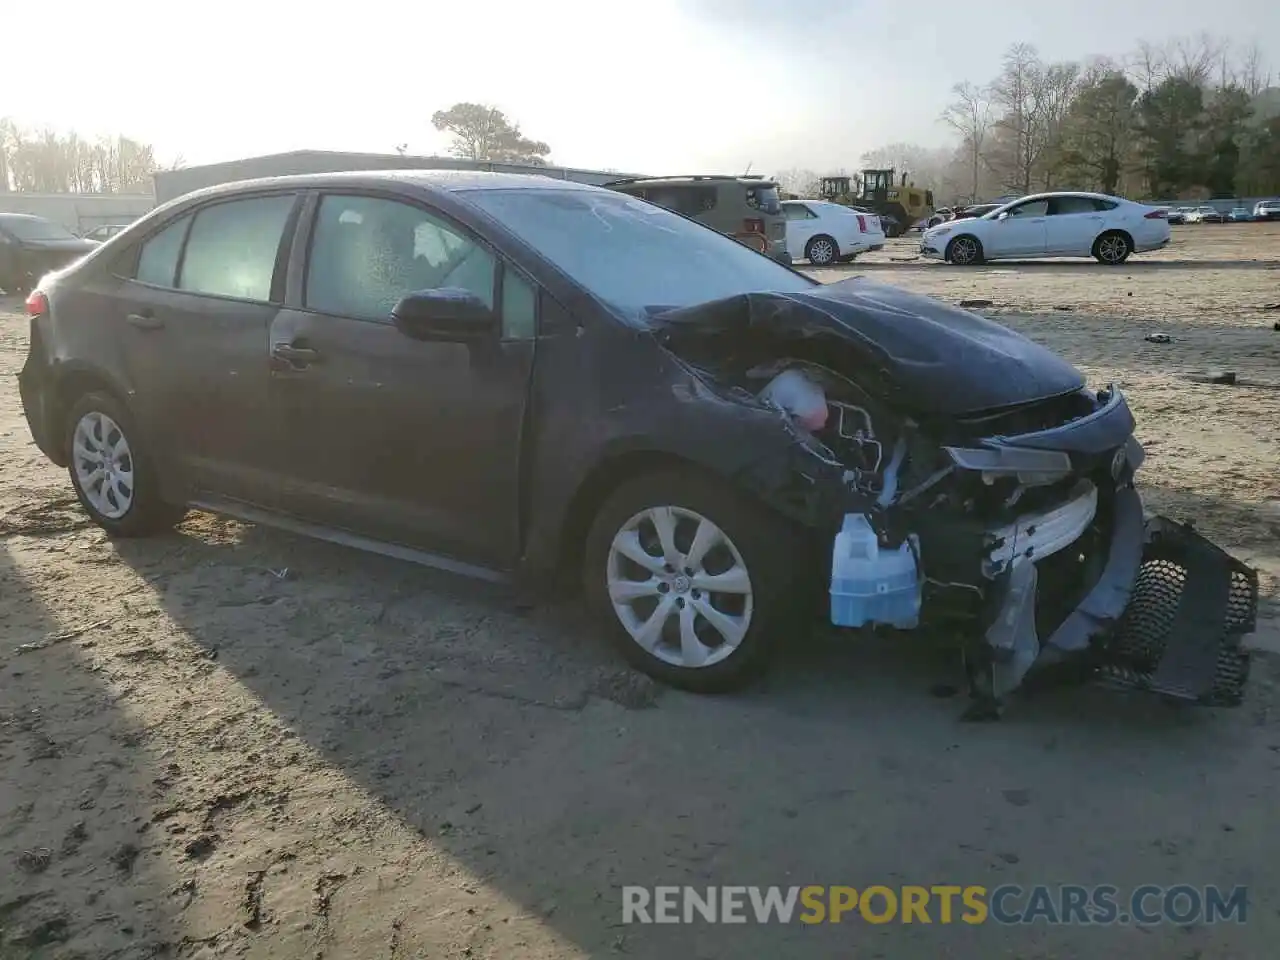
[1167, 614]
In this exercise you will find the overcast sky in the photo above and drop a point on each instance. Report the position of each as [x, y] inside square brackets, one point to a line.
[659, 86]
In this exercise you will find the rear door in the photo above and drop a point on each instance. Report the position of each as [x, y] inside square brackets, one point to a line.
[193, 315]
[1072, 226]
[401, 440]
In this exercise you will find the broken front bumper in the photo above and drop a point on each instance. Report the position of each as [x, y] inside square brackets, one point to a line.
[1167, 613]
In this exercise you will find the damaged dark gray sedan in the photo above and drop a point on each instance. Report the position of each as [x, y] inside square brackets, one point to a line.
[515, 377]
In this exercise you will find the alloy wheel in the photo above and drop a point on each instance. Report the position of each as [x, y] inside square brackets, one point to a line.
[964, 251]
[679, 587]
[1113, 248]
[103, 464]
[821, 252]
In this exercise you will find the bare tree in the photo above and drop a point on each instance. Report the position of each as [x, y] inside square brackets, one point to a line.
[1055, 90]
[1251, 73]
[969, 115]
[800, 181]
[1017, 139]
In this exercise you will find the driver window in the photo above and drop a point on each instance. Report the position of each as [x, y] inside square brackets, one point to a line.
[1032, 208]
[368, 252]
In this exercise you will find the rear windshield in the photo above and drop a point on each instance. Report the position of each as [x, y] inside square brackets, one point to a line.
[637, 257]
[36, 228]
[765, 198]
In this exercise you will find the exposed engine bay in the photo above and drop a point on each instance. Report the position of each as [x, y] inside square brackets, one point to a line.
[980, 484]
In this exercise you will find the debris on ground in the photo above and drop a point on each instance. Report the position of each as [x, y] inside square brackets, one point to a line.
[35, 861]
[975, 303]
[1064, 307]
[1271, 306]
[1158, 338]
[1226, 376]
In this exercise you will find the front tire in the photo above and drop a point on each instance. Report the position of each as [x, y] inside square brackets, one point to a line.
[965, 251]
[1112, 248]
[111, 471]
[821, 251]
[695, 581]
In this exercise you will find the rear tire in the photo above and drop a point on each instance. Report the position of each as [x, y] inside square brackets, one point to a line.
[111, 469]
[1112, 248]
[821, 251]
[705, 612]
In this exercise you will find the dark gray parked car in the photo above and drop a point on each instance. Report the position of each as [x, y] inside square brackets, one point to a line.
[31, 246]
[517, 376]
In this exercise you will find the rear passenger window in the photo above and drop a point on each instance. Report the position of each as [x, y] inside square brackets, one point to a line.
[1105, 204]
[232, 248]
[1066, 205]
[158, 259]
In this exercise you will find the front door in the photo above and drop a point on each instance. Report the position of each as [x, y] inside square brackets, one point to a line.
[1020, 232]
[192, 321]
[407, 441]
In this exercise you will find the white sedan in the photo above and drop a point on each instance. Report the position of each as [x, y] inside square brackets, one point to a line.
[1051, 225]
[823, 232]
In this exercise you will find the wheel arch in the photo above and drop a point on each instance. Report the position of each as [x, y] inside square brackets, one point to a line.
[609, 473]
[70, 382]
[982, 249]
[1120, 230]
[822, 236]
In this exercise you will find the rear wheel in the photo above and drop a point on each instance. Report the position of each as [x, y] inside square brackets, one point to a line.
[694, 580]
[1112, 248]
[821, 251]
[110, 469]
[964, 251]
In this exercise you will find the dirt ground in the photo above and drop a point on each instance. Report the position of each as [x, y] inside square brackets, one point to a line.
[230, 741]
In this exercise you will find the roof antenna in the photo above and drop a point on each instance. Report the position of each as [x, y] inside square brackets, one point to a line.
[748, 170]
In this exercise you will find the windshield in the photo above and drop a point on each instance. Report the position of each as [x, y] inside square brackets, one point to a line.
[35, 228]
[633, 255]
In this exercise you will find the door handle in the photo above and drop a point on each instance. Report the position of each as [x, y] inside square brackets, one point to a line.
[294, 356]
[145, 321]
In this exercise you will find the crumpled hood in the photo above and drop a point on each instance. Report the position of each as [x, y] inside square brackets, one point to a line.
[921, 353]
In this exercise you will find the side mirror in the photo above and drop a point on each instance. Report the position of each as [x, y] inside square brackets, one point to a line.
[448, 314]
[1003, 216]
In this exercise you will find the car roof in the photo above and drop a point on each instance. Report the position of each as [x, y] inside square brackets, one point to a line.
[1070, 193]
[24, 216]
[694, 178]
[448, 181]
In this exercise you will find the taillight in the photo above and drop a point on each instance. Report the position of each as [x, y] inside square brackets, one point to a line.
[753, 226]
[862, 224]
[1155, 215]
[37, 303]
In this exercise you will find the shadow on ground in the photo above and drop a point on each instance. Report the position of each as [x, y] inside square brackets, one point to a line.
[510, 741]
[79, 876]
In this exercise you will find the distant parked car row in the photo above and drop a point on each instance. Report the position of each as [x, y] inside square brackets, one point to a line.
[1263, 210]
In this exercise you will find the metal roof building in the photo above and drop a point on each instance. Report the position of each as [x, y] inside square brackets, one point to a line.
[174, 183]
